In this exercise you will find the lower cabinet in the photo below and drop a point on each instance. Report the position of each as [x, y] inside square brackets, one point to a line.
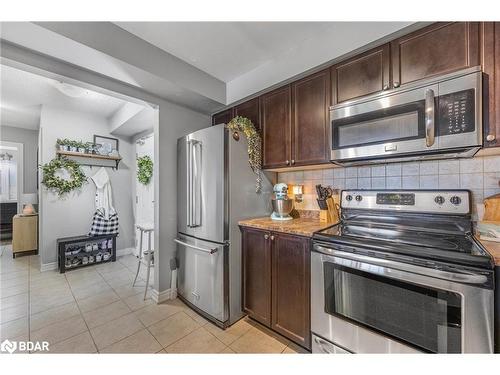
[276, 282]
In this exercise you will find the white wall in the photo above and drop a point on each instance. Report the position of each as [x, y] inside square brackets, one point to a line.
[175, 122]
[72, 214]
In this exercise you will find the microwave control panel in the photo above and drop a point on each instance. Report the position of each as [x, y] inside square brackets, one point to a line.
[456, 113]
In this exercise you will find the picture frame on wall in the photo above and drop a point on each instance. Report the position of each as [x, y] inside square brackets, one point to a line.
[107, 145]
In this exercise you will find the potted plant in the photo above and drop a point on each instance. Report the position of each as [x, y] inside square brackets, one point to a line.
[73, 146]
[81, 147]
[89, 147]
[63, 144]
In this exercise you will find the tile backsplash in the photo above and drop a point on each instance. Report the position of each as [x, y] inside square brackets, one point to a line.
[481, 175]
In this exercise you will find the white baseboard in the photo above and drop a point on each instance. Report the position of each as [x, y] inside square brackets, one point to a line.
[48, 266]
[163, 295]
[126, 251]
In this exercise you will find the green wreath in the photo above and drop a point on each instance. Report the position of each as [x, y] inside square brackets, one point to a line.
[243, 124]
[60, 185]
[144, 169]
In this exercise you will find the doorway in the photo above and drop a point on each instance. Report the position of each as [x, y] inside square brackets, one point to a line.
[144, 200]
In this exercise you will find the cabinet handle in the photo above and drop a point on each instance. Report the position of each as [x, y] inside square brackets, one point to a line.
[272, 238]
[386, 87]
[287, 162]
[266, 236]
[396, 84]
[490, 137]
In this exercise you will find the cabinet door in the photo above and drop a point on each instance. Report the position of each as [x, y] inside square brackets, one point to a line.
[361, 75]
[276, 127]
[440, 48]
[250, 110]
[291, 287]
[490, 60]
[310, 130]
[256, 253]
[223, 117]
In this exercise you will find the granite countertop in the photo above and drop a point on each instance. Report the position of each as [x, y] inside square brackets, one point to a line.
[303, 226]
[493, 248]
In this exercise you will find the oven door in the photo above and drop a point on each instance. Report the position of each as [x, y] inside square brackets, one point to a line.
[387, 126]
[371, 305]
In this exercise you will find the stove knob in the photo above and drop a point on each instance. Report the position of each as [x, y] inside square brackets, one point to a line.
[455, 200]
[439, 199]
[359, 198]
[349, 197]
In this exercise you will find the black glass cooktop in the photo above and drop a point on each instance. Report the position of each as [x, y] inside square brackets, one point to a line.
[423, 241]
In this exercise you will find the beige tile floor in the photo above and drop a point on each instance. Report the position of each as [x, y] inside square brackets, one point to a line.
[96, 310]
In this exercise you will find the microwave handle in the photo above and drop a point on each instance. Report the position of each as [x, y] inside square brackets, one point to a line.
[429, 118]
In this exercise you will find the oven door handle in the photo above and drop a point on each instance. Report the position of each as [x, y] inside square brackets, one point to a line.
[459, 277]
[429, 117]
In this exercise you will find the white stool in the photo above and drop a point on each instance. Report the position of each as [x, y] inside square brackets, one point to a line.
[147, 254]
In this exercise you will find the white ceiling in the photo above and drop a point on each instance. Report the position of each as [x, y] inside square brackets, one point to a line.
[226, 50]
[201, 65]
[22, 94]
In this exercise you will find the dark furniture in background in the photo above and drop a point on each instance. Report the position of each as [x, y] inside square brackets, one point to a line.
[8, 210]
[223, 117]
[275, 108]
[74, 247]
[276, 282]
[361, 75]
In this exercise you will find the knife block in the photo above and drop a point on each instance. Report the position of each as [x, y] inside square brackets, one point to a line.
[330, 215]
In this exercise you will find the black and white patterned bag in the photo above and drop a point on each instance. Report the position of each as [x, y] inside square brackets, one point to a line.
[102, 226]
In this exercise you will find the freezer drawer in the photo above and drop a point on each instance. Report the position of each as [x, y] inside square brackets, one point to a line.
[201, 273]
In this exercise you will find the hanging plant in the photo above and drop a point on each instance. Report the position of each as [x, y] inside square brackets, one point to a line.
[243, 124]
[144, 169]
[58, 184]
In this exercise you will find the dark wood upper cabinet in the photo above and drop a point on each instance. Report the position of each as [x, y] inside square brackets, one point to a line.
[440, 48]
[256, 275]
[290, 287]
[490, 61]
[223, 117]
[275, 108]
[361, 75]
[250, 110]
[310, 120]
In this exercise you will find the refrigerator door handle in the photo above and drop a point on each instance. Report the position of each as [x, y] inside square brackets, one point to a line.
[189, 184]
[196, 183]
[209, 251]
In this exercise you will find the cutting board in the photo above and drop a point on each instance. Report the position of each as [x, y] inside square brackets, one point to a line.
[492, 208]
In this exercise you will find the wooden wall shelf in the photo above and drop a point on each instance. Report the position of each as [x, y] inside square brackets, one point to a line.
[95, 157]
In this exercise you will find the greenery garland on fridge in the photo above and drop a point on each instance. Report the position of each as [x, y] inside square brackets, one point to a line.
[245, 125]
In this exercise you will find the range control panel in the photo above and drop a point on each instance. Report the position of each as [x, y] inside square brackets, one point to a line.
[428, 201]
[456, 113]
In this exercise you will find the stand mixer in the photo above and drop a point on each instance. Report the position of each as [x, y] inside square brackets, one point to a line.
[282, 204]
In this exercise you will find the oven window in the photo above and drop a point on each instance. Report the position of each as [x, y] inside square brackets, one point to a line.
[422, 317]
[387, 125]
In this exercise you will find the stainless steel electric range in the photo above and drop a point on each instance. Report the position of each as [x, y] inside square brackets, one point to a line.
[402, 273]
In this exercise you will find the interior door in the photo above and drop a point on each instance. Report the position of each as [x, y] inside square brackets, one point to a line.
[201, 180]
[144, 201]
[201, 275]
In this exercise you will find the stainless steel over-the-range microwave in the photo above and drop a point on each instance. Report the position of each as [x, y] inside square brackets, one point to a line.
[433, 118]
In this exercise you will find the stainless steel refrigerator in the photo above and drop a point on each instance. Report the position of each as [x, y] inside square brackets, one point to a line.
[216, 189]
